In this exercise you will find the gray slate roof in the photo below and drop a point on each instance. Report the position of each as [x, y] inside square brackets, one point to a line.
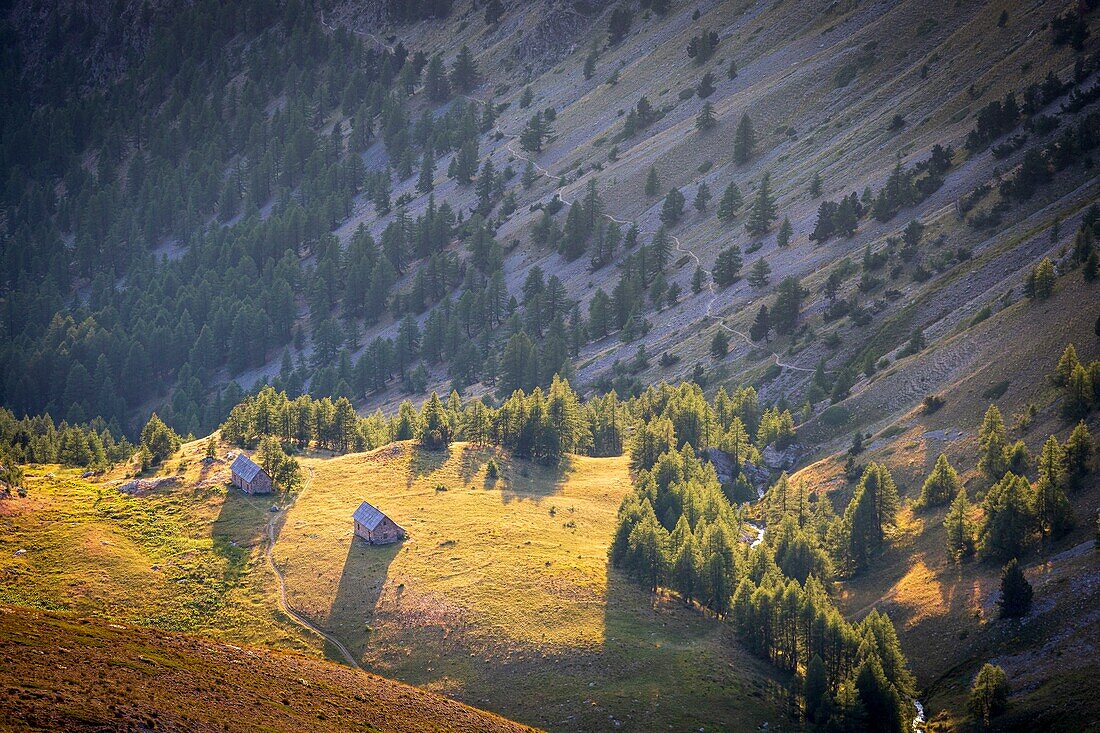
[245, 467]
[368, 516]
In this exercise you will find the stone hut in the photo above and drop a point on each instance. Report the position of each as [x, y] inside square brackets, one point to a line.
[375, 527]
[249, 477]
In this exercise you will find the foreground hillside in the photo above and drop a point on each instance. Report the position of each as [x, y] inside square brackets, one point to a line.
[502, 594]
[65, 673]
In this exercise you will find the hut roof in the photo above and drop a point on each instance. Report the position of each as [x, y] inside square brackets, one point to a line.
[245, 467]
[368, 516]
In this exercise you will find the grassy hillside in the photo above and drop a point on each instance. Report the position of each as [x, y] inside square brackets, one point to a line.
[185, 557]
[104, 676]
[502, 595]
[946, 613]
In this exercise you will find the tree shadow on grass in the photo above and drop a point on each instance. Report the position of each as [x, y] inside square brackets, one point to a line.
[425, 462]
[239, 527]
[522, 479]
[356, 600]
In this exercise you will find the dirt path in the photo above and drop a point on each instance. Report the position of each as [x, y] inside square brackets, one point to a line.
[272, 536]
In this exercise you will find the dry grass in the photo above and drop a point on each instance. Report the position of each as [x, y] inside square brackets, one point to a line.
[502, 595]
[183, 557]
[111, 677]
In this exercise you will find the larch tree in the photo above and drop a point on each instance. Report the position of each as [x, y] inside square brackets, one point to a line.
[959, 528]
[941, 485]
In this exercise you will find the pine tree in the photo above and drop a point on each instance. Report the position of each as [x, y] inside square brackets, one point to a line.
[760, 273]
[720, 344]
[590, 63]
[785, 232]
[464, 74]
[959, 528]
[530, 175]
[435, 80]
[993, 445]
[1078, 452]
[673, 207]
[652, 183]
[760, 325]
[697, 281]
[730, 203]
[1052, 508]
[435, 426]
[788, 304]
[727, 267]
[533, 135]
[873, 507]
[702, 197]
[1040, 281]
[1008, 518]
[1016, 592]
[988, 695]
[941, 485]
[815, 690]
[763, 209]
[706, 119]
[1066, 364]
[744, 141]
[424, 183]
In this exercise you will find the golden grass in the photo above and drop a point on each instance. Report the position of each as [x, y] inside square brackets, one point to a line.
[181, 557]
[502, 595]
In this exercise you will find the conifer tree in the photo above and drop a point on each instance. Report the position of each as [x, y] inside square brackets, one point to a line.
[763, 208]
[652, 182]
[730, 203]
[988, 695]
[1008, 518]
[435, 80]
[815, 690]
[727, 267]
[702, 197]
[873, 507]
[1040, 281]
[698, 280]
[941, 485]
[959, 528]
[815, 185]
[673, 207]
[424, 183]
[706, 87]
[590, 63]
[1066, 364]
[1052, 508]
[720, 344]
[464, 74]
[788, 304]
[435, 427]
[760, 325]
[1016, 592]
[760, 273]
[1078, 452]
[993, 445]
[785, 232]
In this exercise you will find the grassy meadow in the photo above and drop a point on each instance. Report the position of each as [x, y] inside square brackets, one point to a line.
[186, 557]
[502, 595]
